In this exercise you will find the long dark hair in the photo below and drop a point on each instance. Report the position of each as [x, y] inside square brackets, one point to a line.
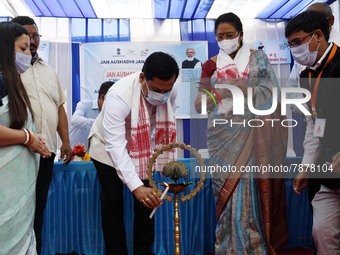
[18, 101]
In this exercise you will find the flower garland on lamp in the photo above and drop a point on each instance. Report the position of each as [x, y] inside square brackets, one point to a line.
[79, 153]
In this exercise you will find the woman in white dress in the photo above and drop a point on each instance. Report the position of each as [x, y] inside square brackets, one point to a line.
[18, 144]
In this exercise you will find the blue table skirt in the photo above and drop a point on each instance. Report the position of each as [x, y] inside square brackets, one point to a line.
[73, 219]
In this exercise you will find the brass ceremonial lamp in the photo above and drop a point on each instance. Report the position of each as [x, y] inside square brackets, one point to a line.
[175, 170]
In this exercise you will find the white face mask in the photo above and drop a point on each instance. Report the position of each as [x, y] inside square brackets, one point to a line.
[155, 98]
[22, 61]
[303, 56]
[229, 46]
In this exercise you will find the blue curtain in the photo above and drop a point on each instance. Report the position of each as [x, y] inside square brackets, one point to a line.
[75, 75]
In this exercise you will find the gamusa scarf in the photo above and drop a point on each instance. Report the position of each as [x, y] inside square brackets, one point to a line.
[140, 142]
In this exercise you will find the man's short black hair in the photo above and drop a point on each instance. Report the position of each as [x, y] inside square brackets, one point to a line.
[160, 65]
[24, 20]
[308, 22]
[105, 87]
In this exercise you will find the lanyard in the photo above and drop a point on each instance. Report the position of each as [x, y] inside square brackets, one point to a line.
[317, 82]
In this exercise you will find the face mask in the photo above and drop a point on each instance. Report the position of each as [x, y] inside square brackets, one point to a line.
[303, 56]
[155, 98]
[229, 46]
[22, 61]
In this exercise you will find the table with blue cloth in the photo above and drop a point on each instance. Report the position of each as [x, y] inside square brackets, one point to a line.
[72, 220]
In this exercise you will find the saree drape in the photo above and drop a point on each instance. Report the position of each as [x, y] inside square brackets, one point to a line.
[251, 211]
[18, 172]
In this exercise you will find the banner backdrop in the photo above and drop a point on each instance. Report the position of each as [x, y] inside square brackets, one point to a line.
[113, 60]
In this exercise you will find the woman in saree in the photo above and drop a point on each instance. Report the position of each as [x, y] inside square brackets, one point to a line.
[251, 212]
[18, 145]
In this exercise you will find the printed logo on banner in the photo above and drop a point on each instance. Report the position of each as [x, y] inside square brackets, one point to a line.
[118, 53]
[144, 52]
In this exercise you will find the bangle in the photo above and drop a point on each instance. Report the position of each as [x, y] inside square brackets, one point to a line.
[31, 140]
[27, 135]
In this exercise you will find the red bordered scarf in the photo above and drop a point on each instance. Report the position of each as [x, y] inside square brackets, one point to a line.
[141, 141]
[237, 68]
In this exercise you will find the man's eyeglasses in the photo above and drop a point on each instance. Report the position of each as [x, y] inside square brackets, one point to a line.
[35, 37]
[228, 36]
[298, 41]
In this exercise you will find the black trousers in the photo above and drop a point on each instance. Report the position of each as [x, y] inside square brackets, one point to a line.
[112, 212]
[43, 184]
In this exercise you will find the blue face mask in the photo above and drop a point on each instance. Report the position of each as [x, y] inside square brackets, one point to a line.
[155, 98]
[22, 61]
